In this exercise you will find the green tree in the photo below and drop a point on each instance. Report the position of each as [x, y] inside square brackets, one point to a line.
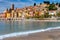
[58, 14]
[46, 15]
[52, 7]
[42, 16]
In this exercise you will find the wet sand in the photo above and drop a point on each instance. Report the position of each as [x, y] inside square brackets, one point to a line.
[47, 35]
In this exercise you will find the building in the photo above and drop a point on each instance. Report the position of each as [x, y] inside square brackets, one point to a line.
[12, 7]
[2, 15]
[41, 13]
[7, 14]
[52, 13]
[31, 11]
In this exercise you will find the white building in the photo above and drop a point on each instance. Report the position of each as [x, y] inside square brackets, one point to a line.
[52, 12]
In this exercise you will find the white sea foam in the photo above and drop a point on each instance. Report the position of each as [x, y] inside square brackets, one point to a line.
[25, 33]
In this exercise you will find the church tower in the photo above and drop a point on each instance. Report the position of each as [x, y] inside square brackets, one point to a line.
[12, 7]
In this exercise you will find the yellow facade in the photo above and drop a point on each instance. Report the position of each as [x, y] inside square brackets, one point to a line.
[19, 14]
[27, 15]
[7, 15]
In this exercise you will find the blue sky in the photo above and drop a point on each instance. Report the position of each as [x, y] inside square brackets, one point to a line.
[19, 3]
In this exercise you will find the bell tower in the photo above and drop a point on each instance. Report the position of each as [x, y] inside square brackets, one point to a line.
[12, 7]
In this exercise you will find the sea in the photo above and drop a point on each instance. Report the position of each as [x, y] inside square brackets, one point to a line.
[11, 28]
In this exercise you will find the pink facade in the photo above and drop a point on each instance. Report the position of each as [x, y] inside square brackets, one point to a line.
[2, 15]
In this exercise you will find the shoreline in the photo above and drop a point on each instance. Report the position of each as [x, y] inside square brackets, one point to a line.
[19, 34]
[53, 34]
[19, 19]
[34, 20]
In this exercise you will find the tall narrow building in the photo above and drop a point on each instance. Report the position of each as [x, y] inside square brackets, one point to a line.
[12, 7]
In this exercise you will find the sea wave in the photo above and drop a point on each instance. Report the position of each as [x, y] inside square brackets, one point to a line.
[26, 33]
